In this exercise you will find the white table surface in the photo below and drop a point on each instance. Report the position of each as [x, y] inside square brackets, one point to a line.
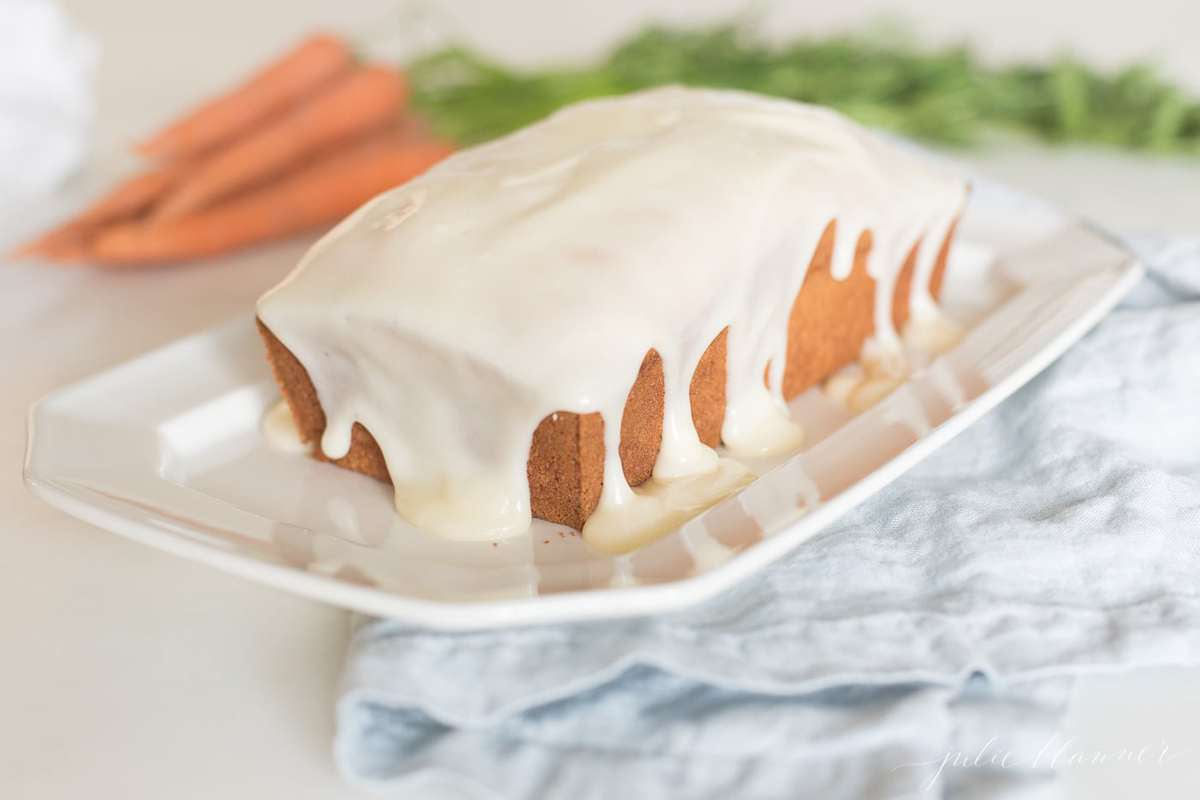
[129, 673]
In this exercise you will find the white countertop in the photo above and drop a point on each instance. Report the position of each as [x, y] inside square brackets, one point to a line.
[130, 673]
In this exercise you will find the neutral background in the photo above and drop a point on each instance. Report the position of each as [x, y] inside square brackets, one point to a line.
[161, 56]
[128, 673]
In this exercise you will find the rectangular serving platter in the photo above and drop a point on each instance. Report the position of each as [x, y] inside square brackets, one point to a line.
[167, 450]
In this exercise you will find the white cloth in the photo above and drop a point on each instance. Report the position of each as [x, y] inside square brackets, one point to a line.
[1058, 534]
[45, 97]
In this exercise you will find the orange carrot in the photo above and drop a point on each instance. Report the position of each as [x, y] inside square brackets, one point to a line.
[129, 199]
[364, 100]
[317, 59]
[317, 195]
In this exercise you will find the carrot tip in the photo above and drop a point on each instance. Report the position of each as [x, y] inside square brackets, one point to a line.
[27, 253]
[21, 252]
[41, 247]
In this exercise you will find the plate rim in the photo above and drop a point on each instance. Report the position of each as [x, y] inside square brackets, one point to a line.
[576, 605]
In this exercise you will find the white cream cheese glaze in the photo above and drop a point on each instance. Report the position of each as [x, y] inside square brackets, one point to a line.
[531, 275]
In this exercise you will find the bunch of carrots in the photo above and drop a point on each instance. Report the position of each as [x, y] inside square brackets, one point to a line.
[299, 145]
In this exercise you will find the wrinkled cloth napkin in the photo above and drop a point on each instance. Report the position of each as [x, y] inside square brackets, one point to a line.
[1056, 535]
[45, 97]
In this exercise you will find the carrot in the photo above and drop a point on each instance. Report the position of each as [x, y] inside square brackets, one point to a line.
[317, 59]
[129, 199]
[317, 195]
[361, 101]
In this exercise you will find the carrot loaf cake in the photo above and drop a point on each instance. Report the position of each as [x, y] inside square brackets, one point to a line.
[595, 303]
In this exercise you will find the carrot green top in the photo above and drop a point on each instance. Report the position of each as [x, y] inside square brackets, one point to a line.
[882, 79]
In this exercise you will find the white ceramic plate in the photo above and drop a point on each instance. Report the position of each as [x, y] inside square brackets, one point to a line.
[167, 450]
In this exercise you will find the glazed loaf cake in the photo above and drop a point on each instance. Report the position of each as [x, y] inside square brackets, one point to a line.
[489, 322]
[829, 322]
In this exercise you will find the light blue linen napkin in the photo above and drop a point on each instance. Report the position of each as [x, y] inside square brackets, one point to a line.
[943, 618]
